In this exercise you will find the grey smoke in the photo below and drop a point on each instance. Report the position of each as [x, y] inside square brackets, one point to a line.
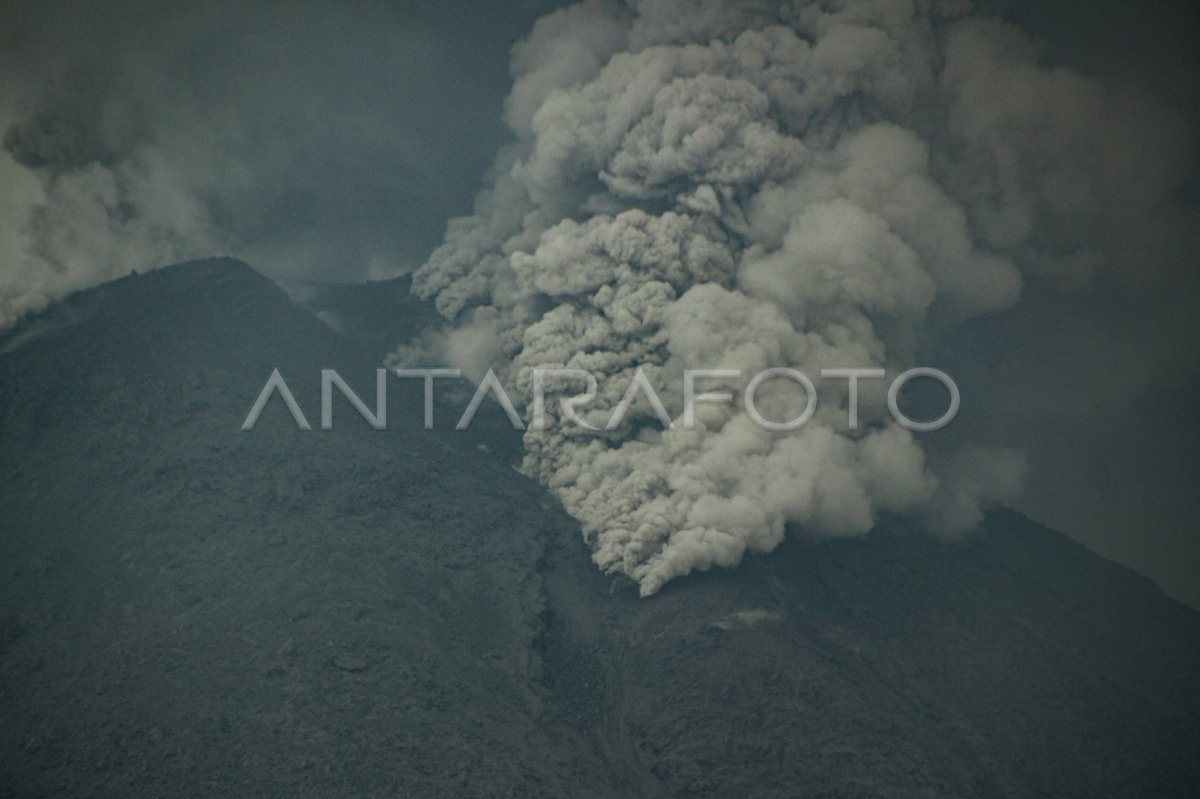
[715, 185]
[312, 141]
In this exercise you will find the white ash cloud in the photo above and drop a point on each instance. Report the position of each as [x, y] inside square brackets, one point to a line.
[703, 185]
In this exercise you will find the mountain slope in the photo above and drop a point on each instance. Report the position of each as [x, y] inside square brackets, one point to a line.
[190, 609]
[197, 610]
[1017, 664]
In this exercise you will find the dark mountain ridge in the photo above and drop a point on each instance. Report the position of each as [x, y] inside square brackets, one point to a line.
[190, 609]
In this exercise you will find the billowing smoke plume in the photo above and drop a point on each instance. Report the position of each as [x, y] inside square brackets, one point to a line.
[698, 184]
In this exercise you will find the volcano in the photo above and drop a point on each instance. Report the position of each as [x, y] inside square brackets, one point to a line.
[189, 609]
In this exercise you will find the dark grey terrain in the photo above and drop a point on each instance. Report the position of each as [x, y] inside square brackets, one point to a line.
[191, 610]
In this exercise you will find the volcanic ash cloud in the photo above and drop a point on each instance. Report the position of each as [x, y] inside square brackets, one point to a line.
[710, 185]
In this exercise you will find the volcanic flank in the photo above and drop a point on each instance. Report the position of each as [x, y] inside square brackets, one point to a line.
[188, 609]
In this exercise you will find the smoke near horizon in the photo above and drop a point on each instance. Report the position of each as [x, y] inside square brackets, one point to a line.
[706, 185]
[312, 141]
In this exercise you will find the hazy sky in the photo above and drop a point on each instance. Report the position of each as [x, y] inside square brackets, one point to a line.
[337, 143]
[315, 140]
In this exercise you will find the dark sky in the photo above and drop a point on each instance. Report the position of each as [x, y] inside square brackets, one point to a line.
[335, 144]
[320, 141]
[1109, 429]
